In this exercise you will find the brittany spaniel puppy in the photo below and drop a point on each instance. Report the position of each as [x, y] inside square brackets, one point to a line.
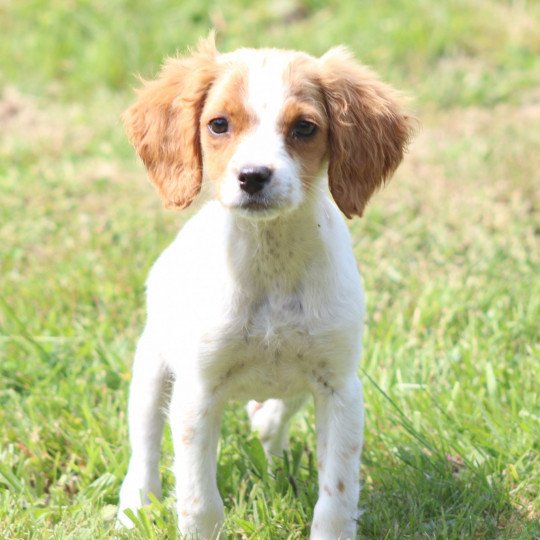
[258, 297]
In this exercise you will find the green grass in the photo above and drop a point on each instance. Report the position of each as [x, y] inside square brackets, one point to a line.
[450, 253]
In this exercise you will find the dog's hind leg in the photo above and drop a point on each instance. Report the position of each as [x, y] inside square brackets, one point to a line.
[270, 419]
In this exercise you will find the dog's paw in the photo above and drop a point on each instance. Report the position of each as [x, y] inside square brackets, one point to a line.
[266, 419]
[205, 521]
[134, 495]
[252, 407]
[123, 521]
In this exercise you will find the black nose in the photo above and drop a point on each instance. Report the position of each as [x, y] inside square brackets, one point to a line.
[252, 179]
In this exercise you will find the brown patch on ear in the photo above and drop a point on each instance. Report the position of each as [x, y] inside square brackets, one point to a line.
[163, 124]
[368, 130]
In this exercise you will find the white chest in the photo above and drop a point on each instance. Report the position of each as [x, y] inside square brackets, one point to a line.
[280, 348]
[258, 310]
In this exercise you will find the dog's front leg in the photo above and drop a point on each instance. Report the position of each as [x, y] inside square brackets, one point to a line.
[148, 397]
[195, 418]
[340, 422]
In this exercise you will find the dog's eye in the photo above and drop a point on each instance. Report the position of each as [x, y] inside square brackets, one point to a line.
[303, 129]
[218, 125]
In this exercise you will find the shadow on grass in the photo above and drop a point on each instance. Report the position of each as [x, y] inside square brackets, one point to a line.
[418, 490]
[415, 494]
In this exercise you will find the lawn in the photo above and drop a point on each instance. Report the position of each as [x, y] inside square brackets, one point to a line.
[449, 251]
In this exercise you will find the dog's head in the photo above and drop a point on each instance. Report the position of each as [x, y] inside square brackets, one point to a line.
[260, 126]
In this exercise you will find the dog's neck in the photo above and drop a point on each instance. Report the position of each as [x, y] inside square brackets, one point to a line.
[274, 255]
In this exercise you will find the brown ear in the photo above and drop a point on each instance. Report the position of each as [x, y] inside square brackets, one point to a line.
[368, 130]
[163, 124]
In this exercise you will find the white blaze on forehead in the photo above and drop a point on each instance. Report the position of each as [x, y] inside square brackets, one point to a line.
[266, 90]
[266, 86]
[263, 143]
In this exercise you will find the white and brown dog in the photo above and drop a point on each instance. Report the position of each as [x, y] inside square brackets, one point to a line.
[259, 296]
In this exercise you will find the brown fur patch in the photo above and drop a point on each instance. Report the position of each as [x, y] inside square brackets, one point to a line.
[187, 435]
[163, 124]
[227, 100]
[258, 405]
[305, 100]
[368, 130]
[341, 486]
[327, 490]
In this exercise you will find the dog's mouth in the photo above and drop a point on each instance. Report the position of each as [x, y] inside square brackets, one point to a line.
[257, 207]
[257, 202]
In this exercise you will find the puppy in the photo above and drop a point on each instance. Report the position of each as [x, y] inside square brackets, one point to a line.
[259, 296]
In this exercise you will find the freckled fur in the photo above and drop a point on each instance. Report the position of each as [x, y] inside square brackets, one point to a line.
[264, 302]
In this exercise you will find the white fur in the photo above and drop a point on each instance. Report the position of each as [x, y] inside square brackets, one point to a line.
[255, 309]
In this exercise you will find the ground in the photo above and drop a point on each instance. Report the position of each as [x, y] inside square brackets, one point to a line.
[449, 251]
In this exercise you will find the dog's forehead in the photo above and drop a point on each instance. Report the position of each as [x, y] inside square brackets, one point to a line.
[268, 76]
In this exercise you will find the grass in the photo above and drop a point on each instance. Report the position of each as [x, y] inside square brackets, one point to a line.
[449, 251]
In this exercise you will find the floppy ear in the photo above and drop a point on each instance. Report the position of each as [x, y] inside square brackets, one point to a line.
[368, 130]
[163, 124]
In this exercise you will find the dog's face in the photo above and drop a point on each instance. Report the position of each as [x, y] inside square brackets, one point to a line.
[261, 126]
[264, 131]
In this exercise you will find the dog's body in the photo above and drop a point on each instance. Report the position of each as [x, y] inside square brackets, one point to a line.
[259, 297]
